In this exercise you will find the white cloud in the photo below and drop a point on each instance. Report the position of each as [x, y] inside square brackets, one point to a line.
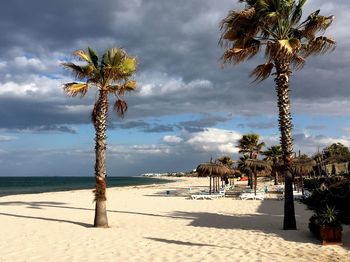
[34, 84]
[7, 138]
[35, 63]
[215, 140]
[139, 149]
[172, 139]
[162, 84]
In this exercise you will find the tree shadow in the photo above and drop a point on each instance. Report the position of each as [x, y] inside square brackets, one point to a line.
[268, 219]
[42, 205]
[33, 204]
[187, 243]
[48, 219]
[177, 242]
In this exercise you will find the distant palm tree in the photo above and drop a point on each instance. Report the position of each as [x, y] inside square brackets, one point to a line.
[249, 145]
[226, 161]
[243, 166]
[274, 154]
[276, 25]
[110, 75]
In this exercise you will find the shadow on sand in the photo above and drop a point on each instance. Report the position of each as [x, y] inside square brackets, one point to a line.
[268, 219]
[48, 219]
[42, 205]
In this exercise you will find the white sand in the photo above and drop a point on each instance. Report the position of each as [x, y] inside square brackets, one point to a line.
[147, 225]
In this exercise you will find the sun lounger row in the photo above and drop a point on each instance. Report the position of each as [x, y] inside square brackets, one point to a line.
[246, 196]
[298, 195]
[208, 196]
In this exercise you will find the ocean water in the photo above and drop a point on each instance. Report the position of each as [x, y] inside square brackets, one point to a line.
[29, 185]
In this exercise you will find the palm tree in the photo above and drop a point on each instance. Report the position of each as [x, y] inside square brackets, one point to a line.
[275, 25]
[242, 164]
[110, 74]
[226, 161]
[274, 154]
[249, 145]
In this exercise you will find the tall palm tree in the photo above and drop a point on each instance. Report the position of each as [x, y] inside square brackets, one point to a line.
[110, 74]
[275, 25]
[274, 154]
[249, 145]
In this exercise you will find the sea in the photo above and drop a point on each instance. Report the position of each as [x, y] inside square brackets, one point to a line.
[30, 185]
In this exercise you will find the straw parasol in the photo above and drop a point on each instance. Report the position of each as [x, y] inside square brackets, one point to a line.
[302, 166]
[214, 171]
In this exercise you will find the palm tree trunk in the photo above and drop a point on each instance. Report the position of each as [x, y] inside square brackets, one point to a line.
[285, 126]
[100, 122]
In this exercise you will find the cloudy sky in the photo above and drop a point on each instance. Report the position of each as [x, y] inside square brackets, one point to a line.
[186, 110]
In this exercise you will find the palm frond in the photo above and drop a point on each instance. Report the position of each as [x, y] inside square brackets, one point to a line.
[80, 72]
[83, 56]
[113, 57]
[239, 53]
[297, 12]
[316, 23]
[129, 85]
[120, 107]
[319, 45]
[93, 57]
[128, 66]
[262, 72]
[238, 25]
[73, 89]
[298, 61]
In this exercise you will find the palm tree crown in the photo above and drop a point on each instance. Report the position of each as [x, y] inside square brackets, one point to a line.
[226, 161]
[276, 25]
[249, 144]
[273, 153]
[111, 73]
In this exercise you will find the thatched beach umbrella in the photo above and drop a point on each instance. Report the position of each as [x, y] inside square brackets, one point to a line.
[302, 166]
[258, 166]
[213, 170]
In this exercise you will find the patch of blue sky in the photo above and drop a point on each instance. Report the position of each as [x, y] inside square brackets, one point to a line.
[321, 125]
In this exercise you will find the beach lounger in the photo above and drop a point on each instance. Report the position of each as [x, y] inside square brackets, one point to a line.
[205, 196]
[222, 193]
[297, 195]
[246, 196]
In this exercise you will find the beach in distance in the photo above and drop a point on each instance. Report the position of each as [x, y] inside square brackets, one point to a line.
[157, 222]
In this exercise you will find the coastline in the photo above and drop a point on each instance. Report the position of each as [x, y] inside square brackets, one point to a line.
[36, 185]
[146, 224]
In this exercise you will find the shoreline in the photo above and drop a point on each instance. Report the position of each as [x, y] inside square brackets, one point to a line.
[87, 183]
[146, 224]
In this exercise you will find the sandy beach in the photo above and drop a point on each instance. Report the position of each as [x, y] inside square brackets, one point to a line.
[146, 224]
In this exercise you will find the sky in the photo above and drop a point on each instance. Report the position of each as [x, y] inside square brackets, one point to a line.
[187, 109]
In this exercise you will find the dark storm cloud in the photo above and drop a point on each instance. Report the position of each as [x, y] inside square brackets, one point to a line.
[189, 126]
[202, 123]
[24, 114]
[175, 41]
